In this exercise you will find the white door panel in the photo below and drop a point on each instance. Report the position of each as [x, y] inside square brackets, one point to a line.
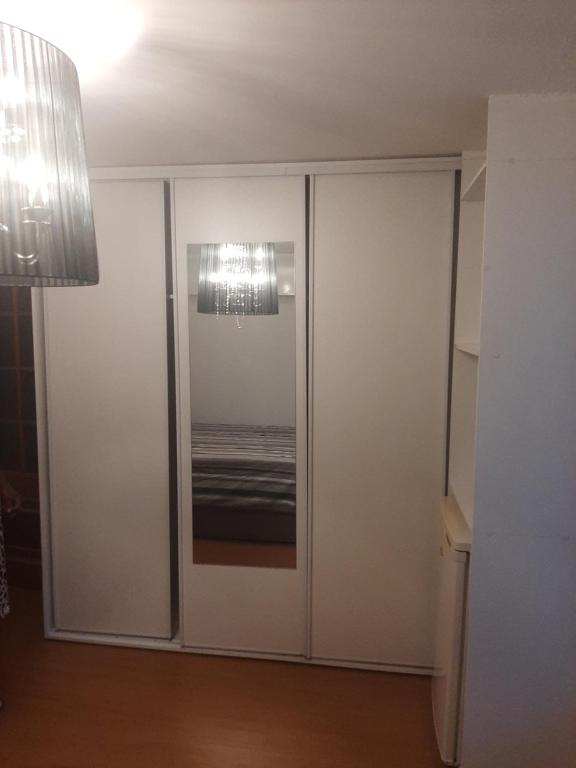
[382, 252]
[241, 607]
[107, 426]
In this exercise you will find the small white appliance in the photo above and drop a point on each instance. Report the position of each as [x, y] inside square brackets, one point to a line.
[448, 680]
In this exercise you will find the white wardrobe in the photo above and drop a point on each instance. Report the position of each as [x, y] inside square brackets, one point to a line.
[370, 249]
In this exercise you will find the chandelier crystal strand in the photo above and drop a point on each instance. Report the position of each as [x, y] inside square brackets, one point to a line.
[46, 228]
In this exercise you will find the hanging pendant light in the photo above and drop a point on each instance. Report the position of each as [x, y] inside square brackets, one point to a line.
[46, 227]
[237, 279]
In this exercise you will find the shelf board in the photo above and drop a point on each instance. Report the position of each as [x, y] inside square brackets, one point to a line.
[468, 346]
[455, 524]
[476, 189]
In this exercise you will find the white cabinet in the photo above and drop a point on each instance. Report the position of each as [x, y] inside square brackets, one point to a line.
[458, 507]
[107, 415]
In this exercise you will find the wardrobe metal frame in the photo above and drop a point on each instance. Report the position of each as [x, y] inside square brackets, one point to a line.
[169, 174]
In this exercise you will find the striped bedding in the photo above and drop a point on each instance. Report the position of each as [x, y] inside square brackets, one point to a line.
[244, 482]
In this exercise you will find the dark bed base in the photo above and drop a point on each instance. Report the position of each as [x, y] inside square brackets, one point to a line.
[243, 525]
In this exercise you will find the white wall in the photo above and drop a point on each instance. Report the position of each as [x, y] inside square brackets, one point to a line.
[243, 375]
[520, 705]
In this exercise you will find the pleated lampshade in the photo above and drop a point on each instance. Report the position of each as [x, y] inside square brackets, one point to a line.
[46, 227]
[237, 279]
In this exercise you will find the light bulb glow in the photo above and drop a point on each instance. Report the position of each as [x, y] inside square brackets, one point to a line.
[93, 35]
[32, 172]
[12, 91]
[237, 279]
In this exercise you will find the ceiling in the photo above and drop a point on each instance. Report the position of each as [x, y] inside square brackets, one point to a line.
[279, 80]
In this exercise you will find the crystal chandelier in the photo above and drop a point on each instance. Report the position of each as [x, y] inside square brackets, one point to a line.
[237, 279]
[46, 227]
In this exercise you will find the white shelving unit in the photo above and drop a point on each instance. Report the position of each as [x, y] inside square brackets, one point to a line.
[467, 333]
[468, 346]
[476, 188]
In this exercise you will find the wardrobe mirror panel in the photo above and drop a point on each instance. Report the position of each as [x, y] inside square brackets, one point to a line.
[242, 331]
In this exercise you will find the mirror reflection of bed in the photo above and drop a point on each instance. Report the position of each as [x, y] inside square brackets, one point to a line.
[242, 328]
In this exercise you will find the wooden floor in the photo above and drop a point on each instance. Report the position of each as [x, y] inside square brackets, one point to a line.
[252, 553]
[82, 706]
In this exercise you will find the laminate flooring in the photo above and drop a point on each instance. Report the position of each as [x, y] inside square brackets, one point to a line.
[69, 705]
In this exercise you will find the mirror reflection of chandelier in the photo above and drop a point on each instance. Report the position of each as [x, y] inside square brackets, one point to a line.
[237, 279]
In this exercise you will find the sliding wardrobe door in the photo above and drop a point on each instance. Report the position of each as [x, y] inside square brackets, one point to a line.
[382, 252]
[240, 245]
[107, 418]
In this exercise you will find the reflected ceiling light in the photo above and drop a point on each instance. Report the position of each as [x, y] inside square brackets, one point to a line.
[237, 279]
[46, 227]
[94, 35]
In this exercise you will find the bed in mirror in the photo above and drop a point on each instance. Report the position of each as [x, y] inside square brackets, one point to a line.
[242, 332]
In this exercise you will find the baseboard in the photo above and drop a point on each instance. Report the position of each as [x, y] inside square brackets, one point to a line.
[160, 644]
